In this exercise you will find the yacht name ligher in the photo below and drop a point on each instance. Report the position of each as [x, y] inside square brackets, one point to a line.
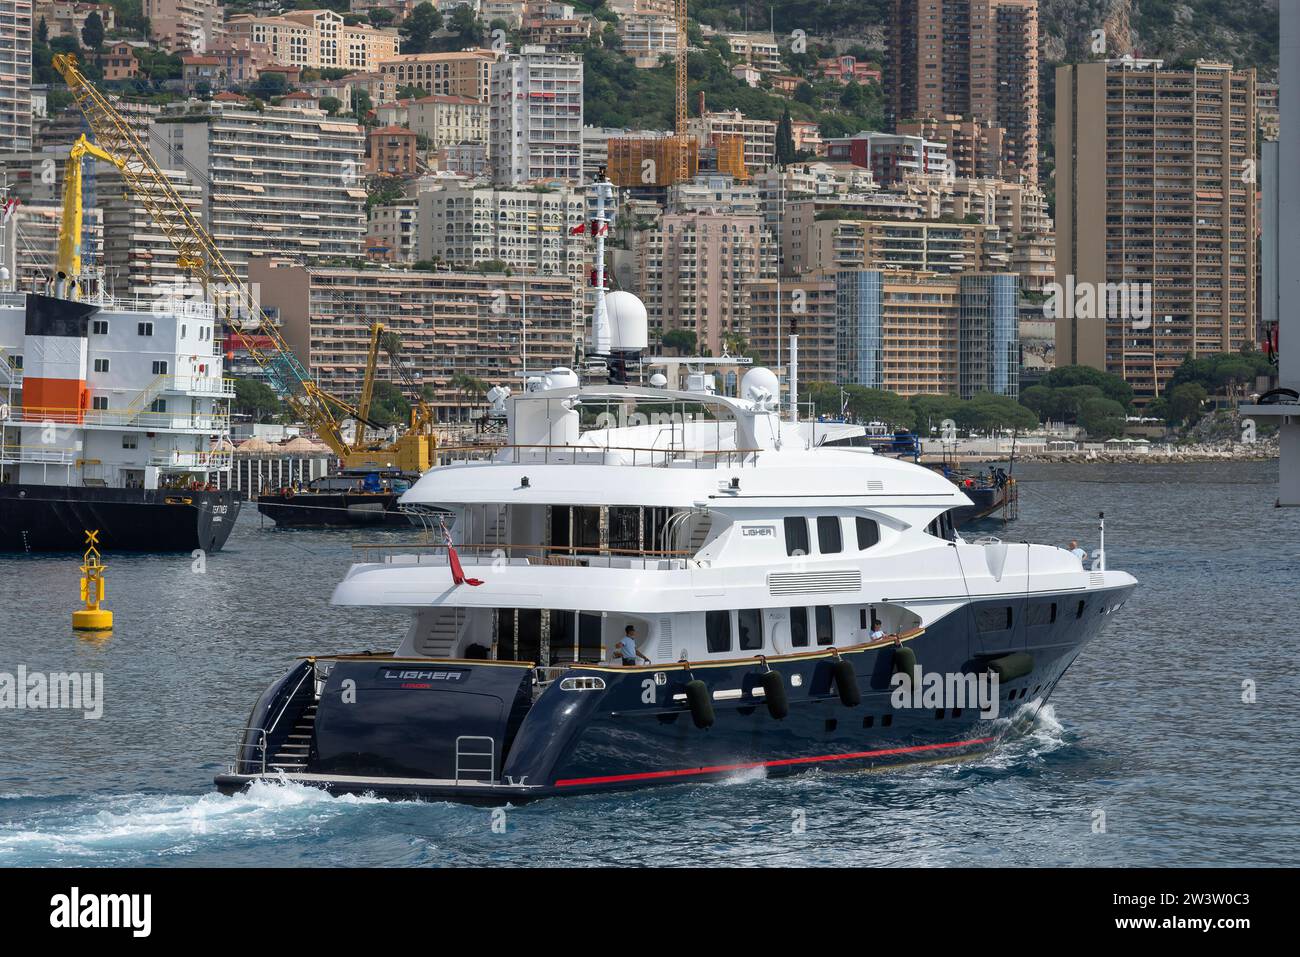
[74, 910]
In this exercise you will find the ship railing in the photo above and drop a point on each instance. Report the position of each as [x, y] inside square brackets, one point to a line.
[38, 454]
[162, 304]
[199, 384]
[258, 747]
[625, 455]
[195, 421]
[177, 459]
[496, 554]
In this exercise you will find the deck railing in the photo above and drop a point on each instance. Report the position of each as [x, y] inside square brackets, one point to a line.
[626, 455]
[489, 554]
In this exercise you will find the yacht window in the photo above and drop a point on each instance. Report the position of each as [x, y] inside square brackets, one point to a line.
[993, 619]
[825, 626]
[1079, 613]
[749, 626]
[799, 627]
[829, 540]
[717, 631]
[796, 536]
[868, 532]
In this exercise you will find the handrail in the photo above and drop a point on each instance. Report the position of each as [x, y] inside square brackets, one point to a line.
[583, 454]
[260, 745]
[292, 694]
[825, 651]
[558, 549]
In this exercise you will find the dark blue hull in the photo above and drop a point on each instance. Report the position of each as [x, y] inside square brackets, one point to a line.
[420, 728]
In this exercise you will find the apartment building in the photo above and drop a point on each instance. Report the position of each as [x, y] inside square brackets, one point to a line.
[759, 50]
[185, 25]
[118, 61]
[460, 73]
[1152, 187]
[802, 307]
[391, 231]
[713, 191]
[535, 116]
[392, 152]
[759, 135]
[69, 19]
[693, 270]
[797, 216]
[647, 39]
[15, 76]
[451, 324]
[837, 244]
[975, 150]
[529, 230]
[138, 258]
[976, 59]
[446, 120]
[282, 180]
[889, 156]
[318, 39]
[921, 333]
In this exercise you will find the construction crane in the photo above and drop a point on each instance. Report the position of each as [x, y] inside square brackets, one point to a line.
[683, 171]
[68, 262]
[197, 253]
[413, 446]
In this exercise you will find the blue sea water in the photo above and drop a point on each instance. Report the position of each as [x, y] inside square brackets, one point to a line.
[1146, 755]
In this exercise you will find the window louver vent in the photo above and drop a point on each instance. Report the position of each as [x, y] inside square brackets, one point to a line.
[802, 583]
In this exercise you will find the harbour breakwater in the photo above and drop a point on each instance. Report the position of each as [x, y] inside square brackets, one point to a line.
[1262, 450]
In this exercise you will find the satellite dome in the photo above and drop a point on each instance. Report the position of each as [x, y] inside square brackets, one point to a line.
[659, 380]
[760, 384]
[561, 377]
[628, 325]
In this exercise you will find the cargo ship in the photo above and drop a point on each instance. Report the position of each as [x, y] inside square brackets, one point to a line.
[113, 416]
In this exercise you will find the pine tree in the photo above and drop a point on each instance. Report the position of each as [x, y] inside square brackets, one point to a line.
[785, 139]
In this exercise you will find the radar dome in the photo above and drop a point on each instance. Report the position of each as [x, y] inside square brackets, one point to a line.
[659, 380]
[561, 377]
[628, 326]
[760, 384]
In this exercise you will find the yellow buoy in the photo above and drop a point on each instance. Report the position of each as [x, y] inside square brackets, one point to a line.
[92, 617]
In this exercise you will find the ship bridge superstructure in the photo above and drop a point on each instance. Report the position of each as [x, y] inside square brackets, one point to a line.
[112, 392]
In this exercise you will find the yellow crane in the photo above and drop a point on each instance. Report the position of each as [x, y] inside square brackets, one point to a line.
[197, 253]
[683, 134]
[68, 262]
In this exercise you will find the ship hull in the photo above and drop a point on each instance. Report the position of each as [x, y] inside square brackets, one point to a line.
[54, 518]
[333, 509]
[637, 729]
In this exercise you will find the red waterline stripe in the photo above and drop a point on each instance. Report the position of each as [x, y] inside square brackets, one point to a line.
[716, 769]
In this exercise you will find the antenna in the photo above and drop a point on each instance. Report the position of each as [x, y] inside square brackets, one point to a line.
[601, 335]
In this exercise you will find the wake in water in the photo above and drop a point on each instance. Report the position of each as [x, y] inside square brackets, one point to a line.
[1027, 735]
[137, 826]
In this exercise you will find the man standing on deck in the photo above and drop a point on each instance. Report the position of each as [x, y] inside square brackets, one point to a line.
[626, 648]
[1076, 551]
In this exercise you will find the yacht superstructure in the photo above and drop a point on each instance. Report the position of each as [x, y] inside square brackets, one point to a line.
[783, 595]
